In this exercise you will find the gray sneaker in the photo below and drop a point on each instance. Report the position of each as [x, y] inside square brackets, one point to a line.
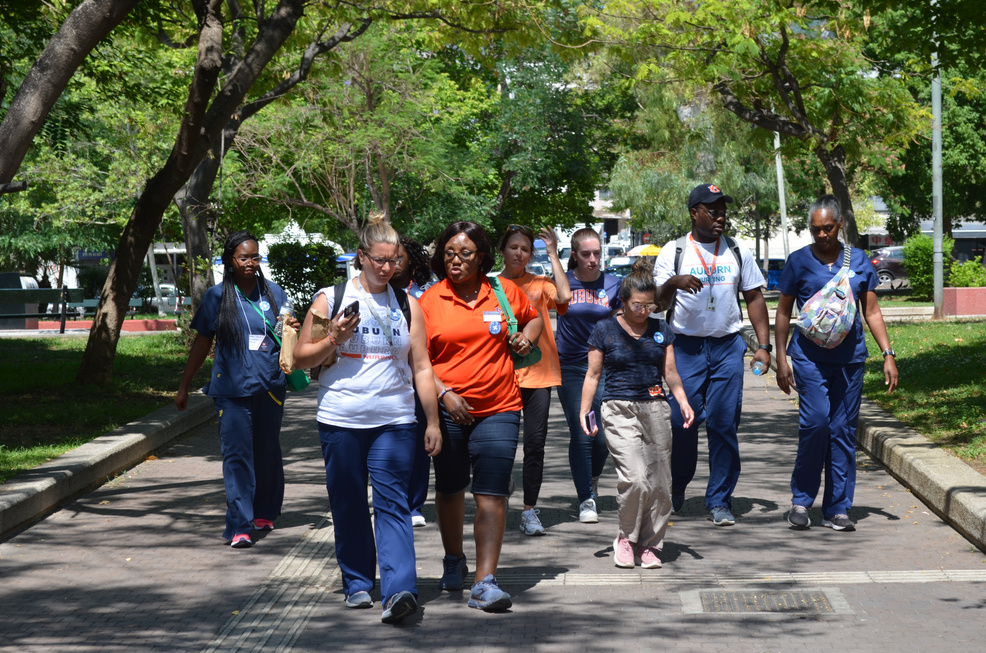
[359, 600]
[587, 512]
[798, 517]
[721, 516]
[530, 524]
[839, 522]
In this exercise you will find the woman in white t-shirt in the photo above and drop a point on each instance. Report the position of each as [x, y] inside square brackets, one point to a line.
[366, 422]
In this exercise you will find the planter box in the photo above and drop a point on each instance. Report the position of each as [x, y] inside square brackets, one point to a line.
[963, 302]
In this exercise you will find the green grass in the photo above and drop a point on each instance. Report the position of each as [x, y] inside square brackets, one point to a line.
[46, 413]
[942, 388]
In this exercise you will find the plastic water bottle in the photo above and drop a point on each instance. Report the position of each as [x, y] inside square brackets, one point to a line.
[759, 368]
[287, 309]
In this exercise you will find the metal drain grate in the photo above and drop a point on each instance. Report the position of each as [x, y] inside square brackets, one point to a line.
[776, 601]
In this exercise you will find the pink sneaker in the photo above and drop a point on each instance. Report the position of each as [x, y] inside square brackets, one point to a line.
[648, 558]
[241, 541]
[263, 524]
[623, 553]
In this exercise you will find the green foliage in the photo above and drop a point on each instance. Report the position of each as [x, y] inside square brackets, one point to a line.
[919, 260]
[91, 279]
[302, 269]
[970, 274]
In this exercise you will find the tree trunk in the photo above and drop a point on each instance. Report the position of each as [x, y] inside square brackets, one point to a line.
[834, 160]
[82, 30]
[196, 212]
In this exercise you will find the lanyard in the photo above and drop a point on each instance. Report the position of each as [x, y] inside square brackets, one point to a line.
[715, 257]
[384, 326]
[259, 312]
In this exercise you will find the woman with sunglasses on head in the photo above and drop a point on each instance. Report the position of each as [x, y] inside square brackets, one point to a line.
[479, 399]
[595, 297]
[633, 351]
[413, 275]
[366, 421]
[247, 386]
[516, 246]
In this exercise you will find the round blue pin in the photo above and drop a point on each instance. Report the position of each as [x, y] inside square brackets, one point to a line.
[494, 328]
[264, 305]
[658, 337]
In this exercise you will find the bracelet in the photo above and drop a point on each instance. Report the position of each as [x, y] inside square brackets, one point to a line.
[332, 340]
[443, 392]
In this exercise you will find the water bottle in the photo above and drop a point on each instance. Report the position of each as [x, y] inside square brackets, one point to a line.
[287, 309]
[759, 368]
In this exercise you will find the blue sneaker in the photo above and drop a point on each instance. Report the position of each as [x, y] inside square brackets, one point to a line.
[454, 577]
[398, 606]
[488, 597]
[721, 516]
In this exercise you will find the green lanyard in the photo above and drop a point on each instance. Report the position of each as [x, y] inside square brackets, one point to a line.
[261, 313]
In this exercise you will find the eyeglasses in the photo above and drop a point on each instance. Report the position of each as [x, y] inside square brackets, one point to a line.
[636, 308]
[527, 231]
[715, 213]
[464, 255]
[246, 259]
[380, 261]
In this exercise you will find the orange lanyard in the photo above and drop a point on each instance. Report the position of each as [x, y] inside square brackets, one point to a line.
[715, 257]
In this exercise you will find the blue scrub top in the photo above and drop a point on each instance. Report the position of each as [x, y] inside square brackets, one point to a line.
[633, 368]
[252, 371]
[803, 276]
[590, 303]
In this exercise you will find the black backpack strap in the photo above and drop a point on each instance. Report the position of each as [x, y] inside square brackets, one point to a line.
[340, 290]
[679, 246]
[733, 245]
[404, 304]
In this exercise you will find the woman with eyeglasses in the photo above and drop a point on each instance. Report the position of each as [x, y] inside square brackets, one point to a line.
[367, 424]
[595, 297]
[246, 384]
[479, 400]
[516, 246]
[633, 352]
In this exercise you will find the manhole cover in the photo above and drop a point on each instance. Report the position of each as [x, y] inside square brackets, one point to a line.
[781, 601]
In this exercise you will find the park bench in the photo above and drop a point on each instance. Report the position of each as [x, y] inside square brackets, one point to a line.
[15, 302]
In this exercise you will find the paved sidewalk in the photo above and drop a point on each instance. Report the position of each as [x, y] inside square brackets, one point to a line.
[138, 565]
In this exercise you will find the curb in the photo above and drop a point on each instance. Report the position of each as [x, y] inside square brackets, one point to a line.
[953, 490]
[35, 493]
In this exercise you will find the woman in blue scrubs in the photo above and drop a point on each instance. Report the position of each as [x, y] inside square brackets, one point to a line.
[247, 386]
[829, 381]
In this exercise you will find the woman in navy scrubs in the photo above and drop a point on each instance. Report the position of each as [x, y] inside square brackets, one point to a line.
[829, 381]
[247, 386]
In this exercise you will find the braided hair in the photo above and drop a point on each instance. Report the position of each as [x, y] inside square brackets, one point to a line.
[419, 263]
[229, 331]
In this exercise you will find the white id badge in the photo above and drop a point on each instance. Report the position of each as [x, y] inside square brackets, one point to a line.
[255, 342]
[492, 316]
[711, 304]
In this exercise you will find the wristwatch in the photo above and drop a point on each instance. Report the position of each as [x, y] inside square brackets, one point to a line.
[768, 347]
[889, 352]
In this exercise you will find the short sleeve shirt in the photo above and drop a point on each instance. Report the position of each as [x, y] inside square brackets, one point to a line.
[468, 344]
[633, 368]
[716, 266]
[803, 276]
[591, 302]
[255, 369]
[541, 292]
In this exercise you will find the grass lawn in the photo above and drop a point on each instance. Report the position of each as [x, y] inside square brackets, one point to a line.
[942, 390]
[46, 413]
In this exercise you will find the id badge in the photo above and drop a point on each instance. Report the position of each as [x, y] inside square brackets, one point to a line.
[255, 342]
[710, 305]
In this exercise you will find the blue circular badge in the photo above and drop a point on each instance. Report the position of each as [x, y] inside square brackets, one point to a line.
[395, 315]
[658, 337]
[601, 293]
[852, 273]
[494, 328]
[264, 305]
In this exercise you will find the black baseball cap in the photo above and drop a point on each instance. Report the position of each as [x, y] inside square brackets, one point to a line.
[706, 194]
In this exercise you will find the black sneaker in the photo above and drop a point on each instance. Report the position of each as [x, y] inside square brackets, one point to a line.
[798, 517]
[839, 523]
[454, 573]
[677, 501]
[398, 606]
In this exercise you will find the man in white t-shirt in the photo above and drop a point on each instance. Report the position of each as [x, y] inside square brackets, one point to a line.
[702, 290]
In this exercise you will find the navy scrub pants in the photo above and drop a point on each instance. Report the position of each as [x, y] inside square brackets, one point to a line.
[711, 371]
[828, 414]
[253, 473]
[384, 455]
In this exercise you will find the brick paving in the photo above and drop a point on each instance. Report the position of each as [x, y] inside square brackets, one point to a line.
[138, 565]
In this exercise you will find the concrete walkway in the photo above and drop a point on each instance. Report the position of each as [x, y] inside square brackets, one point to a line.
[138, 565]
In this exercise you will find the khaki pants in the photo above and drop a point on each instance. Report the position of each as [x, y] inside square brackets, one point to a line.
[638, 434]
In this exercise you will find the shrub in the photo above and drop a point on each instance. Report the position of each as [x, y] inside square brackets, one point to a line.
[970, 274]
[919, 261]
[302, 270]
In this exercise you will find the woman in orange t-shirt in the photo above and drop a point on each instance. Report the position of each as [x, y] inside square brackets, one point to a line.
[479, 401]
[516, 245]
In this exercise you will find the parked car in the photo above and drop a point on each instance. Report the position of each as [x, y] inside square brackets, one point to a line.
[889, 263]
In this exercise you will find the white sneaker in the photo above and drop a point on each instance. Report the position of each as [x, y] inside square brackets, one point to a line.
[417, 521]
[587, 512]
[530, 524]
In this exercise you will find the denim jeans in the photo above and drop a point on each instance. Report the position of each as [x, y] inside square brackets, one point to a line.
[586, 456]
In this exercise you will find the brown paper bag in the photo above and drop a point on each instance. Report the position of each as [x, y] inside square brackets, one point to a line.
[289, 338]
[320, 331]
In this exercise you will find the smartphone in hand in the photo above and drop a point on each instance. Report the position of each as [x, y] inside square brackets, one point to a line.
[351, 310]
[590, 421]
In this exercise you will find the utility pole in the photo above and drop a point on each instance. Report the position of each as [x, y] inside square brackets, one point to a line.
[936, 185]
[780, 193]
